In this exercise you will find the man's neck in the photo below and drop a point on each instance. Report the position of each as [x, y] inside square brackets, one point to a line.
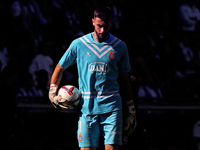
[101, 39]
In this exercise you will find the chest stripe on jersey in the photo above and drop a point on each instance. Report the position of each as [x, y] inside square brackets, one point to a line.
[90, 48]
[100, 49]
[96, 52]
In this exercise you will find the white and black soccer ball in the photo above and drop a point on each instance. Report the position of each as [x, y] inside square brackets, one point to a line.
[71, 96]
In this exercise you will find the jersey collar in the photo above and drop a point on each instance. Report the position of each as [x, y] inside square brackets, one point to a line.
[103, 43]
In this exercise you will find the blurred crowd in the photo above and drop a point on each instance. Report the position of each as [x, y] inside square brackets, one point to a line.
[163, 38]
[164, 51]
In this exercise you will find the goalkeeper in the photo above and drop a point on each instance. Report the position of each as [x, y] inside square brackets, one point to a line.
[101, 59]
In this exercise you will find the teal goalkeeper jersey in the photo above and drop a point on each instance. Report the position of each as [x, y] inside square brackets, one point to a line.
[99, 65]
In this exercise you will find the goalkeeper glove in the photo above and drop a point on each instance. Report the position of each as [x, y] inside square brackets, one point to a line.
[56, 100]
[52, 93]
[130, 121]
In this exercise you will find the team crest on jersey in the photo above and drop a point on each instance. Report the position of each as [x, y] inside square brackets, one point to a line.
[80, 138]
[112, 56]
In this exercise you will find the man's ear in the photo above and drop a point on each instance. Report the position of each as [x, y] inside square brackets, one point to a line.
[93, 21]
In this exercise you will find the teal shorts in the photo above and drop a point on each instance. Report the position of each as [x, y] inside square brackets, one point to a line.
[90, 127]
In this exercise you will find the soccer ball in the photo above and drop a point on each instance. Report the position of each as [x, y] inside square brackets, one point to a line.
[70, 96]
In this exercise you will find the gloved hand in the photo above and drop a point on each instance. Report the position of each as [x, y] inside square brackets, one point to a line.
[52, 93]
[130, 121]
[56, 100]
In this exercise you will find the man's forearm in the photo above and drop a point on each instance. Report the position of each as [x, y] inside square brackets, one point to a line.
[126, 87]
[57, 75]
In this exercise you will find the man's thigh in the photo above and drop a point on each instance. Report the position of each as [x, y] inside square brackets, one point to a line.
[112, 127]
[90, 127]
[88, 131]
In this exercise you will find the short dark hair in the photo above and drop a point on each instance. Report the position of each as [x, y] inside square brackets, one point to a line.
[104, 13]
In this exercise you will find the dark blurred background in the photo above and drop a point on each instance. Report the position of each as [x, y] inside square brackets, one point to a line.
[163, 39]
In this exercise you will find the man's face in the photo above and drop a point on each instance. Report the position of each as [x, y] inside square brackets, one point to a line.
[101, 28]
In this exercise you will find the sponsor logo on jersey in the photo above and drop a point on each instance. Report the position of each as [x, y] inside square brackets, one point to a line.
[99, 68]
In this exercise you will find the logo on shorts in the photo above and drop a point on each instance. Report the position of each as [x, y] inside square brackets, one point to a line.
[112, 56]
[80, 138]
[113, 132]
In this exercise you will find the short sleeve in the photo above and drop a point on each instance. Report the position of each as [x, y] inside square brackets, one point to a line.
[69, 57]
[124, 65]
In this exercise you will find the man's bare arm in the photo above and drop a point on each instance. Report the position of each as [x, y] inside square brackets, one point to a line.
[126, 86]
[57, 75]
[130, 120]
